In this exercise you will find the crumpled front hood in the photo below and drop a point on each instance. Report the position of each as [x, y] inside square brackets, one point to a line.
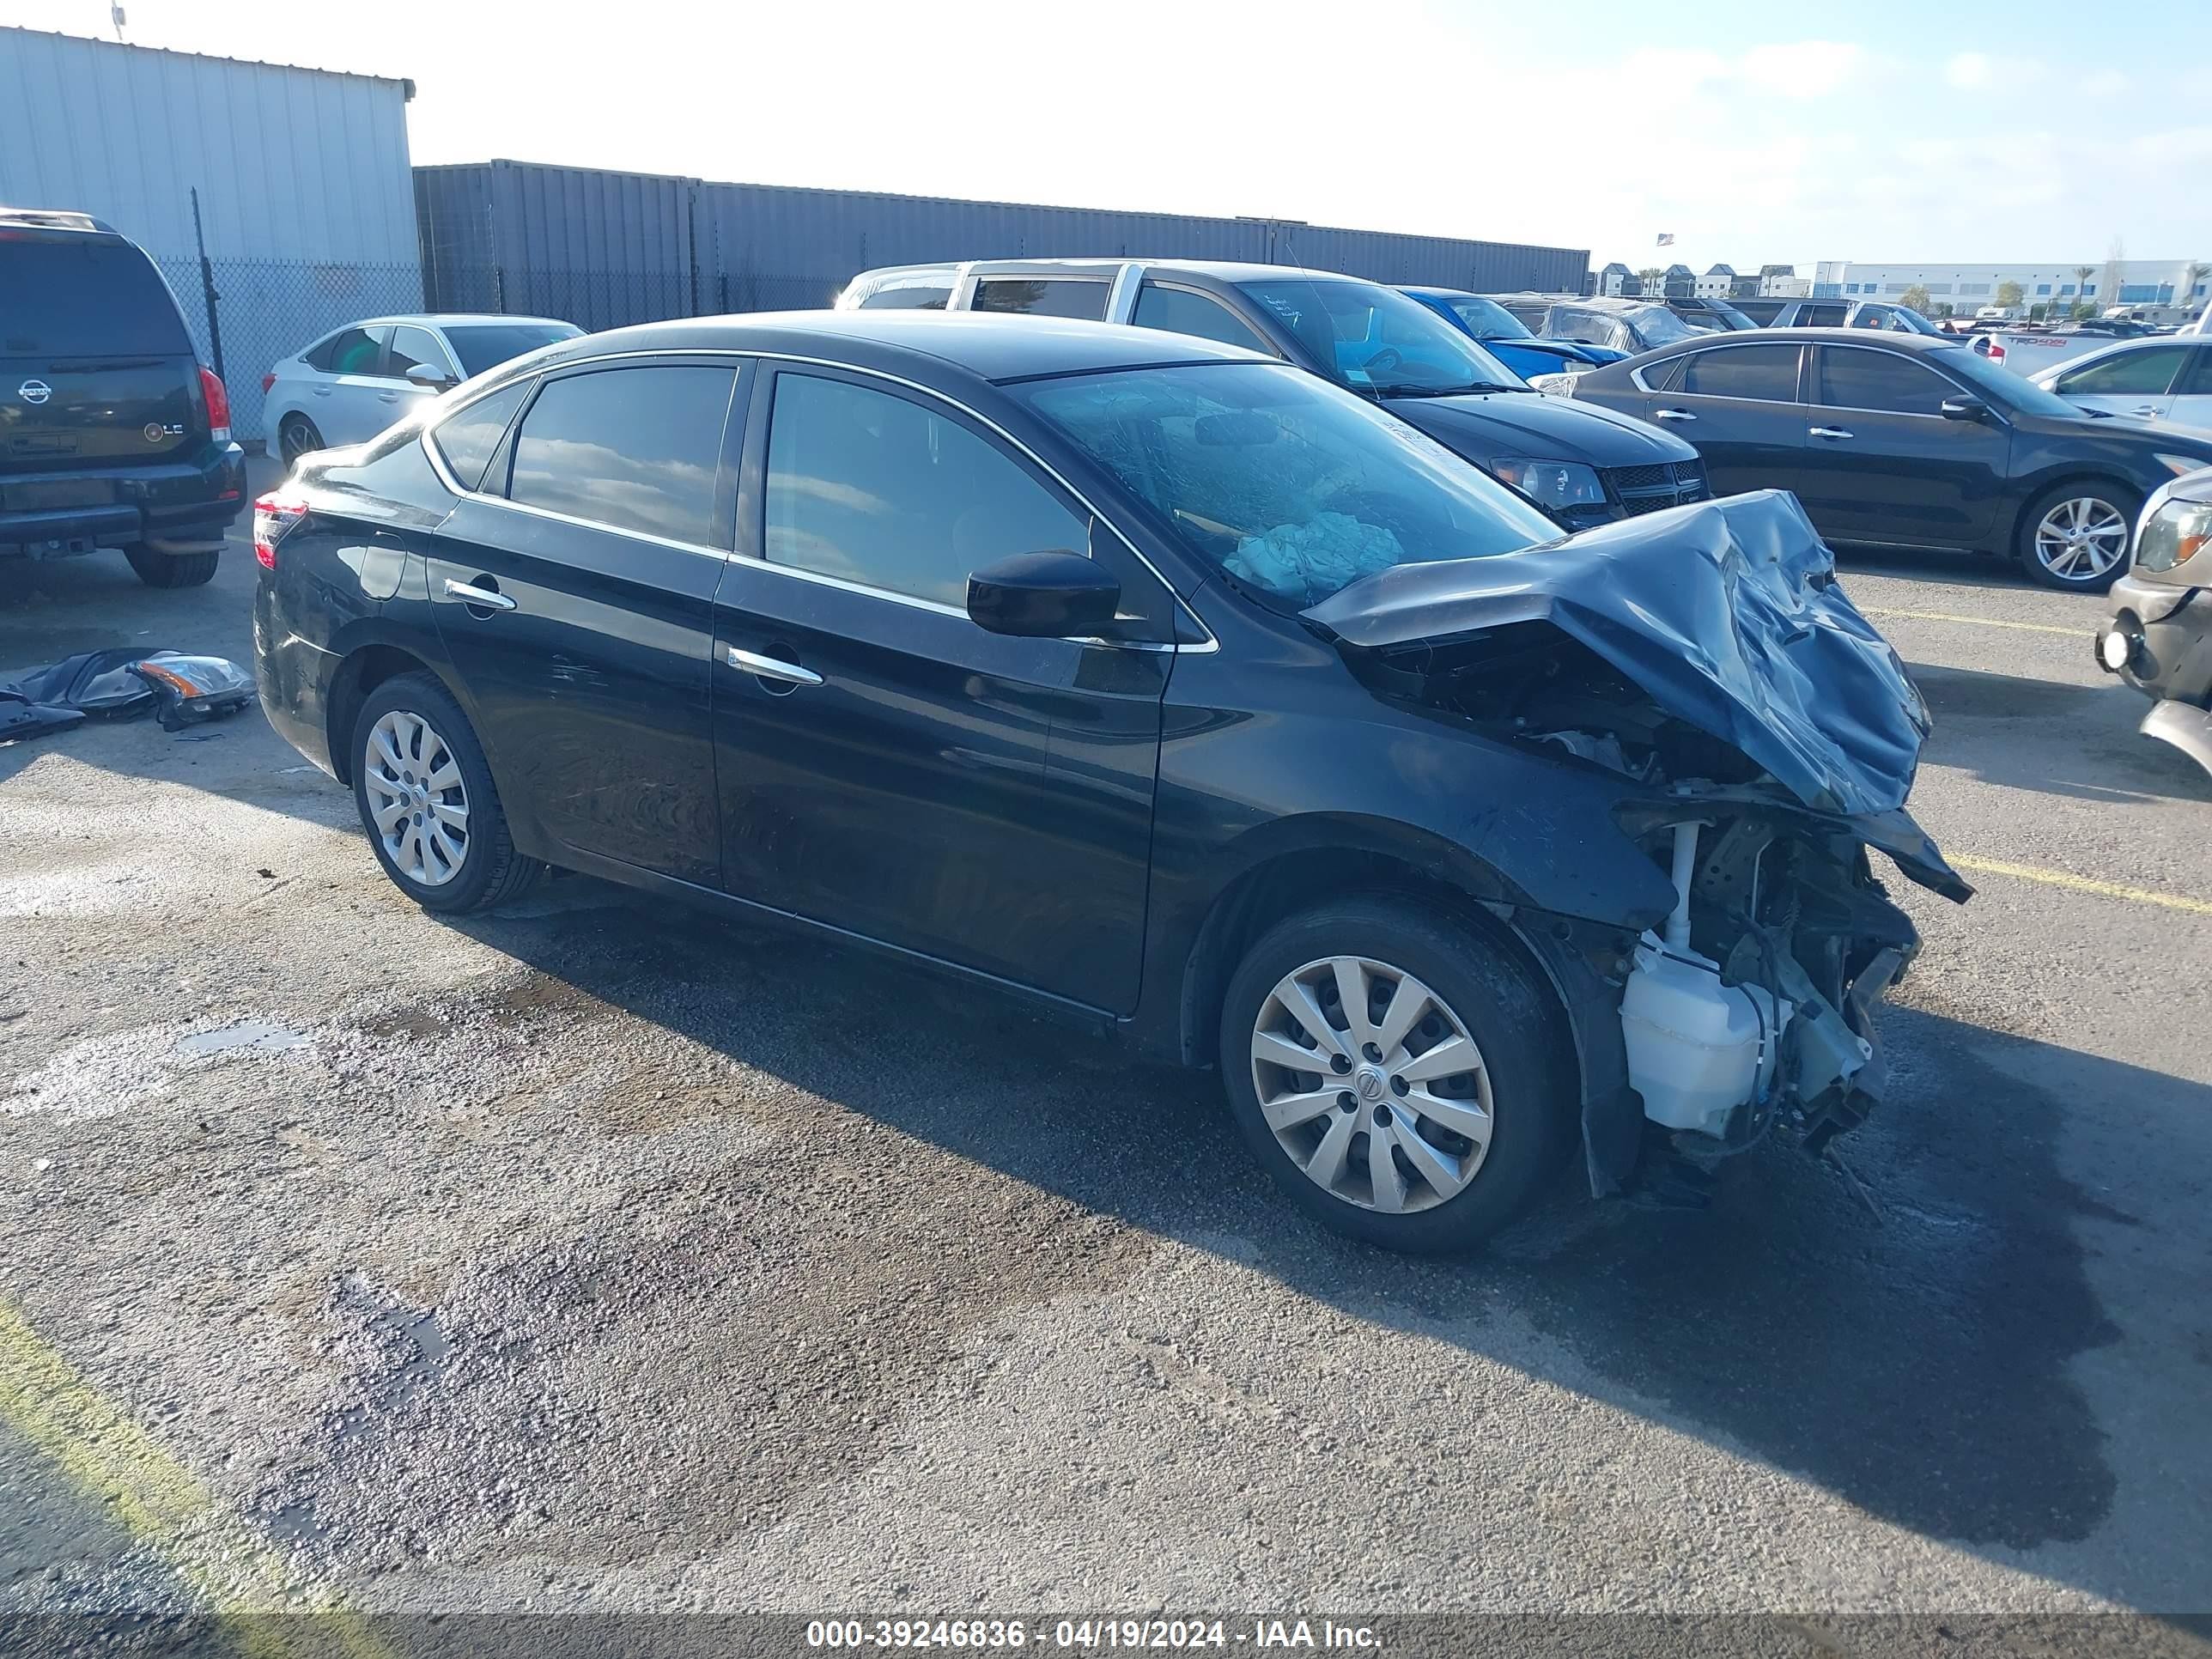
[1483, 425]
[1725, 612]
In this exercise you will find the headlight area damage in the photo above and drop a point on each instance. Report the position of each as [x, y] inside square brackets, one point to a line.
[1764, 737]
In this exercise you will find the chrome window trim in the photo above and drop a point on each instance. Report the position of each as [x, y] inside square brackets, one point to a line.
[1201, 647]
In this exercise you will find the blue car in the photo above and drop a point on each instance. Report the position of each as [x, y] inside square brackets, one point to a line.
[1505, 337]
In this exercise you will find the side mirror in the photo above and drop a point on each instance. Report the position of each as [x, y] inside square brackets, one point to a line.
[428, 376]
[1965, 409]
[1055, 595]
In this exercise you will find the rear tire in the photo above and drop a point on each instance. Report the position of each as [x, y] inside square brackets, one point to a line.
[1462, 1151]
[171, 569]
[427, 799]
[296, 437]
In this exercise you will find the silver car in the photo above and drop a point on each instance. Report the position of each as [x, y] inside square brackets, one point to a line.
[356, 380]
[2161, 377]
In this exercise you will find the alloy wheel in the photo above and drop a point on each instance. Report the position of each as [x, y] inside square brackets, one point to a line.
[2081, 540]
[416, 799]
[1371, 1085]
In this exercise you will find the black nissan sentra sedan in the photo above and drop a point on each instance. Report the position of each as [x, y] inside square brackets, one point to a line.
[1160, 683]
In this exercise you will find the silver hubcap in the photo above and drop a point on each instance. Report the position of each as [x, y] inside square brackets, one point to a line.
[2081, 540]
[1371, 1084]
[416, 799]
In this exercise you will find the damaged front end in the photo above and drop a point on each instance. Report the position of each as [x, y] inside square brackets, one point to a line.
[1764, 738]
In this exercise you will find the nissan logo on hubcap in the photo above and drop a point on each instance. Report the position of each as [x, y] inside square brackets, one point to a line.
[34, 392]
[1369, 1084]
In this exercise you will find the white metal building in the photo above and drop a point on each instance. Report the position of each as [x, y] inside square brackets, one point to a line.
[1967, 287]
[306, 198]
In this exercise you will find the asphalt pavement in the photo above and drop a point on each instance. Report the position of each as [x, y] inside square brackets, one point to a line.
[592, 1255]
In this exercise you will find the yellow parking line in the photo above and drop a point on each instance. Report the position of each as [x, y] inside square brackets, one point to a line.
[1980, 622]
[241, 1580]
[2195, 907]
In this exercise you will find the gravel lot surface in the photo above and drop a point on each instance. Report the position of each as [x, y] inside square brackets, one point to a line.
[592, 1255]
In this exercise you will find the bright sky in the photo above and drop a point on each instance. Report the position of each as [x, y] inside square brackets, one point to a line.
[1753, 131]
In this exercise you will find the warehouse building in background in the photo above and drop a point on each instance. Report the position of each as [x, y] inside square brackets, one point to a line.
[280, 203]
[294, 185]
[605, 248]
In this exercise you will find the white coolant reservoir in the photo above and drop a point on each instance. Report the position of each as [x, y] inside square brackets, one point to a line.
[1697, 1049]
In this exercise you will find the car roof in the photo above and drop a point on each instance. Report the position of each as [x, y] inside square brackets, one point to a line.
[440, 319]
[65, 219]
[1924, 343]
[987, 345]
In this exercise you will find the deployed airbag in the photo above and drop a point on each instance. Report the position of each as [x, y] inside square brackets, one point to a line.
[1301, 562]
[1726, 613]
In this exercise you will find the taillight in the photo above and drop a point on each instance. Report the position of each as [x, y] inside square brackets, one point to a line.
[218, 403]
[268, 380]
[274, 515]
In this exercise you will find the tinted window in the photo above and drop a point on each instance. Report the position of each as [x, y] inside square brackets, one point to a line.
[2145, 373]
[486, 345]
[410, 346]
[1486, 320]
[635, 448]
[1373, 338]
[1179, 310]
[1061, 297]
[467, 439]
[2197, 379]
[1881, 381]
[85, 297]
[907, 298]
[1766, 373]
[350, 352]
[876, 489]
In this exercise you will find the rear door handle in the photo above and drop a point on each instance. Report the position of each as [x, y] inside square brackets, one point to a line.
[1828, 432]
[468, 594]
[1676, 414]
[320, 391]
[770, 668]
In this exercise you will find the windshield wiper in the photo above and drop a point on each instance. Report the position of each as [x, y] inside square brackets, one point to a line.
[1446, 391]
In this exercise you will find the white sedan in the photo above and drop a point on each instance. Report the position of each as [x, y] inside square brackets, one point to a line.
[2164, 377]
[356, 380]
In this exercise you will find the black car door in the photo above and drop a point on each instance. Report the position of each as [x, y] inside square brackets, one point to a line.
[1740, 407]
[888, 767]
[574, 590]
[1882, 463]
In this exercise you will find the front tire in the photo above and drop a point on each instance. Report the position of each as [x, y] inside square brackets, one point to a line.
[1437, 1100]
[427, 799]
[172, 569]
[2074, 537]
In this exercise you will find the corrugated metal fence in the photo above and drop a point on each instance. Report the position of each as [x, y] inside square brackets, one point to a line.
[608, 248]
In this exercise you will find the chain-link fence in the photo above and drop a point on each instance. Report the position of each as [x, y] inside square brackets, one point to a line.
[245, 314]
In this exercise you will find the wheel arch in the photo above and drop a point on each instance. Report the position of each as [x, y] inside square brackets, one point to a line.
[367, 666]
[1304, 863]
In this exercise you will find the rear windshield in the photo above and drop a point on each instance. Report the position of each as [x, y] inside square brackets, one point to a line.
[486, 345]
[85, 298]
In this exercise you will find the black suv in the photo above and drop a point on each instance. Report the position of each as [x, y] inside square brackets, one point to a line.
[111, 433]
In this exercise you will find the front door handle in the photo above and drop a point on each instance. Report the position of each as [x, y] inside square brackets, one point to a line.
[1828, 432]
[489, 598]
[1676, 414]
[387, 397]
[770, 668]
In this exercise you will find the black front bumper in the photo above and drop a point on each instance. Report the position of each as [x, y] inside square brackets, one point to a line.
[51, 515]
